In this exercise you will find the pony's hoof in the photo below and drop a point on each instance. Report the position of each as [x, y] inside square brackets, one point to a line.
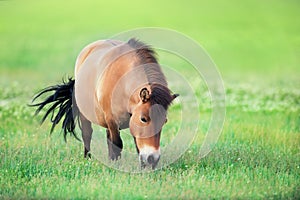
[87, 154]
[115, 156]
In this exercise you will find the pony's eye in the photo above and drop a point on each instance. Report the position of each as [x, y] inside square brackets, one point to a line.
[144, 119]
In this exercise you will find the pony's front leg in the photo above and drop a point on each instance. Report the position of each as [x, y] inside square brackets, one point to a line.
[114, 141]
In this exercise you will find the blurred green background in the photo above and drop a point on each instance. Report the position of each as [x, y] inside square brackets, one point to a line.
[247, 39]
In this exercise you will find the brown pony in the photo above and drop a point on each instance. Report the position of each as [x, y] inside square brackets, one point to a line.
[117, 85]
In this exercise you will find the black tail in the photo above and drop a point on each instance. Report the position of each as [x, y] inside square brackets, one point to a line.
[61, 99]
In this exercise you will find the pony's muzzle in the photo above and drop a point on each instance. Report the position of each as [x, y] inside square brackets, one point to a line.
[149, 157]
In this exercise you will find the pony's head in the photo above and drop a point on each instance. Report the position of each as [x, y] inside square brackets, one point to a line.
[147, 120]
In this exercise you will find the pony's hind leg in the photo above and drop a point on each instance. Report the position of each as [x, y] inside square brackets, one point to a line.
[86, 130]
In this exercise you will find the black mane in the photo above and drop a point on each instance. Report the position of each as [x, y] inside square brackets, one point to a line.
[160, 93]
[144, 51]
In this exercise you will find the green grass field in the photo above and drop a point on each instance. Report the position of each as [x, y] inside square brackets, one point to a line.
[256, 46]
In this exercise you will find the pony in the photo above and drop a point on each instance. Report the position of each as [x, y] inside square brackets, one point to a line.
[117, 85]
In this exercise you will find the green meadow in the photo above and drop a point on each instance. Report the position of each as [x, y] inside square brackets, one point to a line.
[256, 46]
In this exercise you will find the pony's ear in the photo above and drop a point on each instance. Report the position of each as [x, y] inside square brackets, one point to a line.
[175, 95]
[144, 95]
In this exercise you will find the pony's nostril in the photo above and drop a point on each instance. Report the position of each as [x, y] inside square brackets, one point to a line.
[150, 159]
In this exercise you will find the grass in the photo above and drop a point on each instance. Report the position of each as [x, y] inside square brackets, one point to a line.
[254, 43]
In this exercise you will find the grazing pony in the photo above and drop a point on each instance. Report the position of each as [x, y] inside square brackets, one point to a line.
[117, 85]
